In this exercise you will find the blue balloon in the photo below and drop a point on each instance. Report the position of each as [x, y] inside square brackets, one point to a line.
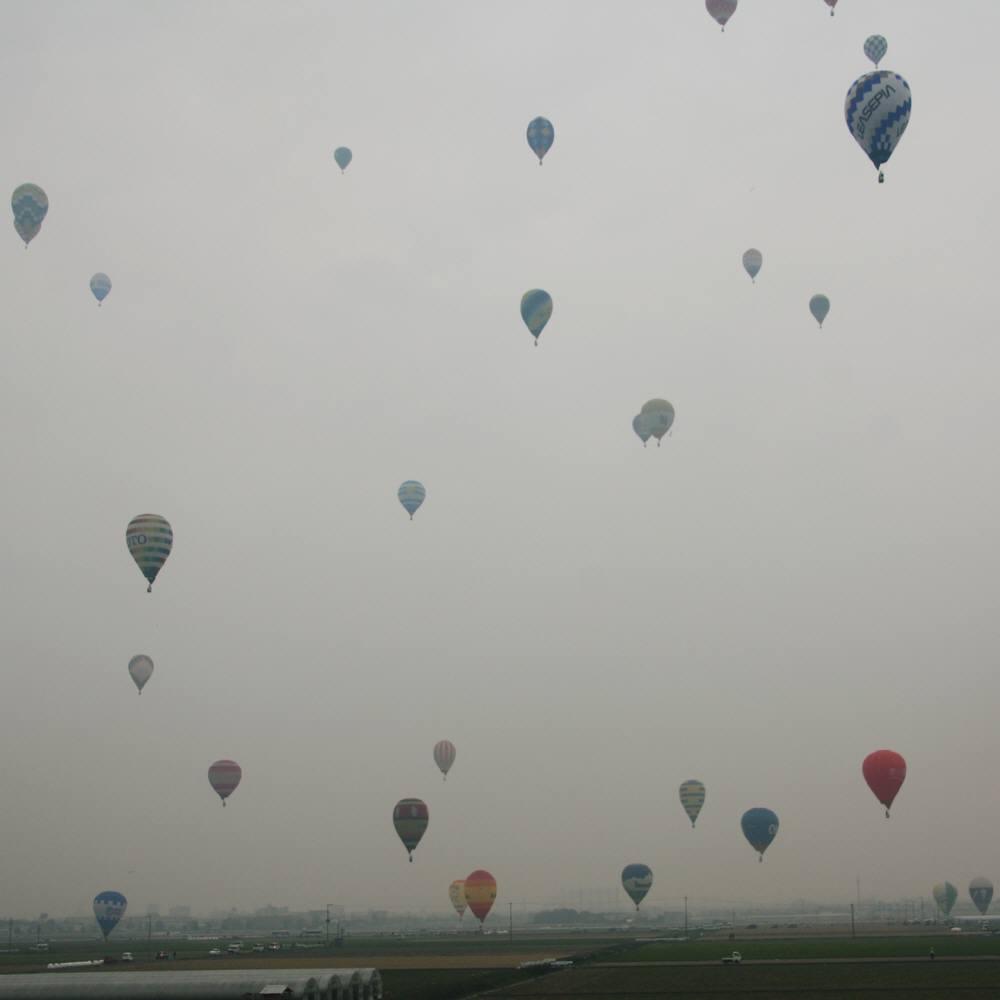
[109, 908]
[636, 880]
[343, 156]
[536, 311]
[100, 285]
[877, 110]
[411, 496]
[759, 827]
[540, 137]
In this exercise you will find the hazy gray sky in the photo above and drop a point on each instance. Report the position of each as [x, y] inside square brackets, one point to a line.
[803, 573]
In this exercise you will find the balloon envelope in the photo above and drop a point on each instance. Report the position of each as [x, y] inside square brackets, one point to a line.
[540, 136]
[981, 891]
[109, 908]
[875, 48]
[100, 285]
[444, 755]
[636, 881]
[149, 538]
[410, 818]
[141, 669]
[692, 798]
[536, 310]
[456, 893]
[885, 772]
[30, 205]
[411, 495]
[480, 892]
[819, 306]
[343, 156]
[721, 10]
[659, 417]
[752, 261]
[945, 895]
[831, 4]
[759, 827]
[224, 776]
[877, 110]
[641, 425]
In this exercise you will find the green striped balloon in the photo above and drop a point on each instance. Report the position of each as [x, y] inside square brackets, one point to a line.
[149, 538]
[692, 798]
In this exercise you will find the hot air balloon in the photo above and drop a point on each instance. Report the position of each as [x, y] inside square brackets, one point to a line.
[831, 4]
[224, 776]
[409, 817]
[636, 881]
[540, 137]
[343, 156]
[149, 538]
[30, 205]
[141, 669]
[885, 772]
[100, 285]
[752, 261]
[536, 310]
[456, 893]
[109, 908]
[721, 10]
[411, 495]
[480, 892]
[945, 895]
[819, 306]
[659, 415]
[981, 891]
[875, 48]
[759, 827]
[877, 110]
[642, 426]
[692, 798]
[444, 756]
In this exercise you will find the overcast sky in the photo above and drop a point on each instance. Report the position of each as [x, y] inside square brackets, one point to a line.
[805, 572]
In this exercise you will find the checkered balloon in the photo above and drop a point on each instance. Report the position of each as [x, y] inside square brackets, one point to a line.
[875, 48]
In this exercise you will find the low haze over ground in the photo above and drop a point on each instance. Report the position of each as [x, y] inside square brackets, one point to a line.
[804, 572]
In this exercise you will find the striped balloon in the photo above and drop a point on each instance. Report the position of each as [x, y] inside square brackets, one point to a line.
[343, 156]
[30, 205]
[480, 893]
[141, 669]
[877, 111]
[752, 262]
[411, 495]
[100, 285]
[945, 895]
[444, 756]
[149, 538]
[819, 306]
[721, 10]
[410, 818]
[536, 311]
[224, 776]
[692, 798]
[541, 135]
[875, 48]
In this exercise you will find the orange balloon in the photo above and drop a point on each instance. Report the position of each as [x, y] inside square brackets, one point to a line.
[480, 892]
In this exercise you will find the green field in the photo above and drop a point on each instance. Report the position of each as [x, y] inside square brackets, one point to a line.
[450, 967]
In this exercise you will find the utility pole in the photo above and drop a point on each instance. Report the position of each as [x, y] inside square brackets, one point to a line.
[685, 916]
[858, 879]
[10, 934]
[328, 925]
[149, 927]
[852, 920]
[510, 921]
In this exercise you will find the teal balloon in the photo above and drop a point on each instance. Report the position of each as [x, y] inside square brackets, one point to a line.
[536, 311]
[819, 306]
[343, 156]
[411, 495]
[100, 285]
[30, 205]
[760, 826]
[541, 135]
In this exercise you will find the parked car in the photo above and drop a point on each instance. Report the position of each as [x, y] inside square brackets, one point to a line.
[274, 946]
[215, 952]
[258, 947]
[734, 959]
[127, 956]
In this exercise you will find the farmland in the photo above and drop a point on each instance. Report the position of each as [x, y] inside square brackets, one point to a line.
[433, 967]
